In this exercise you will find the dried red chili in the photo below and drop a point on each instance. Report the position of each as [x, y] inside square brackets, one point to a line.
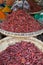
[33, 6]
[21, 53]
[20, 21]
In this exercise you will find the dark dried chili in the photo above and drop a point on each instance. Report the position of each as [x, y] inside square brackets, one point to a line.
[33, 6]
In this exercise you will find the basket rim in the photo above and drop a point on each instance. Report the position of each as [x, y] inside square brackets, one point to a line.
[36, 12]
[10, 40]
[7, 33]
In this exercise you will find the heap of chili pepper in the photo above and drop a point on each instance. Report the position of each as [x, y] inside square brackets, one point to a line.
[21, 53]
[20, 22]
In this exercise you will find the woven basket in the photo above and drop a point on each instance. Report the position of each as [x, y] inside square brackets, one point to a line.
[12, 40]
[7, 33]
